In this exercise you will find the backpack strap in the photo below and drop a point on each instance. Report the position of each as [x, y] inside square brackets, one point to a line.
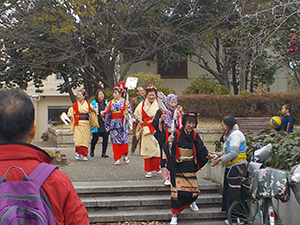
[41, 173]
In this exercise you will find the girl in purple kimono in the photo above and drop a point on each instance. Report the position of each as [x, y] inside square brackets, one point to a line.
[116, 121]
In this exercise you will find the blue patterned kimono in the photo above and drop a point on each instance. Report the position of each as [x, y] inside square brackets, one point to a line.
[118, 127]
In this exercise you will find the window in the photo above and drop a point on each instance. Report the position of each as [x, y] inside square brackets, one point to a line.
[173, 70]
[54, 112]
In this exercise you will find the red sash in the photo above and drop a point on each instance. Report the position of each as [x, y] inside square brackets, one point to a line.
[75, 108]
[124, 108]
[147, 119]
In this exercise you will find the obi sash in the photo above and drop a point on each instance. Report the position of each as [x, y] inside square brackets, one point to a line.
[117, 115]
[186, 154]
[83, 116]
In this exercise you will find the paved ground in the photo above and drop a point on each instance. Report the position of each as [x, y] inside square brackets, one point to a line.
[98, 168]
[103, 169]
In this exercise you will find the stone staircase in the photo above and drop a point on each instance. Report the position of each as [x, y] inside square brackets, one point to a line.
[144, 200]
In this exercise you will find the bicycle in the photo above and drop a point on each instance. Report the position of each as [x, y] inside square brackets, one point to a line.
[260, 210]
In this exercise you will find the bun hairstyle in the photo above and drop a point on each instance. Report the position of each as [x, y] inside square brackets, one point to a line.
[189, 116]
[83, 92]
[151, 88]
[229, 121]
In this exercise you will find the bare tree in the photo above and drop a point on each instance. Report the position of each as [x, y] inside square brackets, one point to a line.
[85, 40]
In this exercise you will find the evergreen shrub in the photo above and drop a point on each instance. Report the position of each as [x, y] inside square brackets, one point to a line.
[251, 105]
[286, 147]
[201, 86]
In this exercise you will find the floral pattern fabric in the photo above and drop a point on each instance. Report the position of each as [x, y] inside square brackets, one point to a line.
[267, 183]
[119, 130]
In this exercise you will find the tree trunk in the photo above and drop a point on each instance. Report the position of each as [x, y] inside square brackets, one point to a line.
[68, 88]
[234, 82]
[243, 76]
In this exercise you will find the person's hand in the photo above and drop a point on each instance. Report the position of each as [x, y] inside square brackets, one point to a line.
[216, 161]
[102, 113]
[163, 117]
[171, 138]
[212, 155]
[179, 108]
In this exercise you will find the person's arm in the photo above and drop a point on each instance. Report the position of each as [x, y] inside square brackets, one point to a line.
[283, 124]
[67, 208]
[156, 120]
[234, 145]
[74, 211]
[170, 151]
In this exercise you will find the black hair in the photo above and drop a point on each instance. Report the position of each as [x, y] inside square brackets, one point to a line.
[229, 121]
[97, 92]
[16, 115]
[288, 106]
[189, 116]
[151, 89]
[84, 93]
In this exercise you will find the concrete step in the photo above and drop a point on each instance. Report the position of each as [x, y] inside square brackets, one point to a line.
[140, 187]
[106, 216]
[144, 201]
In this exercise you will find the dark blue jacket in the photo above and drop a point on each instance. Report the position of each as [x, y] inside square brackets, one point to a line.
[287, 123]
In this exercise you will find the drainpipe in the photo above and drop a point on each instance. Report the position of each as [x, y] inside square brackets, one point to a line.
[35, 99]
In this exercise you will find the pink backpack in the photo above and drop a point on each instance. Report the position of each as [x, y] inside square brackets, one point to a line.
[24, 202]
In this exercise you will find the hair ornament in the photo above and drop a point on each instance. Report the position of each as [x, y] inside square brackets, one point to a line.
[151, 87]
[120, 87]
[191, 114]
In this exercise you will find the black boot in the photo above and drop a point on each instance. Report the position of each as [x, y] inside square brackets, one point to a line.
[92, 152]
[104, 155]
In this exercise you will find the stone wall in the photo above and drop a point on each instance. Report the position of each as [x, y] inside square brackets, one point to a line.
[60, 136]
[209, 135]
[63, 136]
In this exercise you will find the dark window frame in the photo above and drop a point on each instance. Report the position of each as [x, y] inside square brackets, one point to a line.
[54, 112]
[175, 70]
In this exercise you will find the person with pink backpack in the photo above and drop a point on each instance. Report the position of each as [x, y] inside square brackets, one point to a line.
[31, 190]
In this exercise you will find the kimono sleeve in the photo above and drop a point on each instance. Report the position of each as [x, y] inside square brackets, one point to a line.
[201, 151]
[155, 121]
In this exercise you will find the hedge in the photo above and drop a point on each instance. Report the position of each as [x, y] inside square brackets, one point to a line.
[252, 105]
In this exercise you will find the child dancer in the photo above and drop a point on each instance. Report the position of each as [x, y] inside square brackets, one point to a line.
[115, 122]
[163, 124]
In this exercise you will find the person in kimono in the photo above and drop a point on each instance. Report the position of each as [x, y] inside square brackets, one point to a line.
[186, 156]
[80, 115]
[149, 145]
[163, 123]
[116, 122]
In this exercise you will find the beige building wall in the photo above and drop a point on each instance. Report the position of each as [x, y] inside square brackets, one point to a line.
[41, 106]
[41, 102]
[194, 72]
[281, 80]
